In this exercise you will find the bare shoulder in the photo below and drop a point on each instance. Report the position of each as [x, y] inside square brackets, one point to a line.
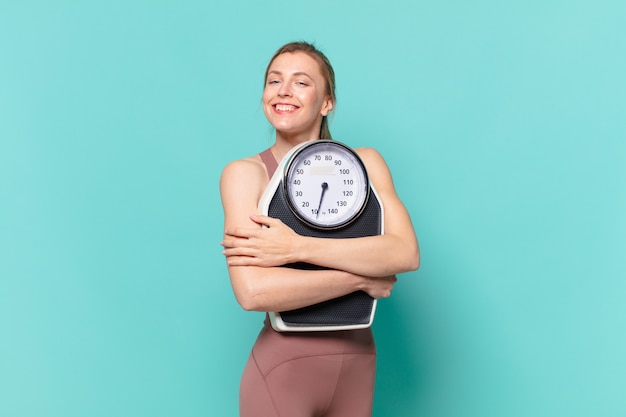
[376, 166]
[247, 175]
[371, 156]
[249, 168]
[249, 165]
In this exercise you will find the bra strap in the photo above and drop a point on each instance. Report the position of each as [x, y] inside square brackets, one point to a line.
[269, 161]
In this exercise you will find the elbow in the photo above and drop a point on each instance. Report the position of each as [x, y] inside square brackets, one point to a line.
[410, 263]
[405, 255]
[244, 301]
[248, 301]
[247, 289]
[405, 261]
[249, 298]
[413, 259]
[247, 305]
[415, 262]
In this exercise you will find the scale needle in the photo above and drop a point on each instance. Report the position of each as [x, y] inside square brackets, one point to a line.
[324, 188]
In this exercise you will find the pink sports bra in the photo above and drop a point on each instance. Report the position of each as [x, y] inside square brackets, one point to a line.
[270, 162]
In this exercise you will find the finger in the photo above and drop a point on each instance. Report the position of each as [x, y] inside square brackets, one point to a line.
[235, 233]
[233, 242]
[241, 233]
[239, 251]
[242, 261]
[264, 220]
[259, 219]
[237, 243]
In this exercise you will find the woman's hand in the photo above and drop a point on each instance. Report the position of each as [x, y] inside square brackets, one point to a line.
[379, 287]
[274, 245]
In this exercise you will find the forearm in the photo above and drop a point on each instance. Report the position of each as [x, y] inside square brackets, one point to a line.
[373, 256]
[282, 289]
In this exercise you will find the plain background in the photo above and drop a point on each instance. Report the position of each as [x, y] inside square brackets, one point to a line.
[503, 123]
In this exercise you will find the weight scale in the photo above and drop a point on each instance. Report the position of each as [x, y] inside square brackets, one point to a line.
[321, 189]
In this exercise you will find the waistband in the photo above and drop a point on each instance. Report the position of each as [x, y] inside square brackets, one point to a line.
[273, 348]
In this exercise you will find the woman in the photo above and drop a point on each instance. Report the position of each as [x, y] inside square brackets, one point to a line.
[327, 374]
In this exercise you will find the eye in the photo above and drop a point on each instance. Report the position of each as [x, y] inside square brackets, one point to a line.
[270, 82]
[301, 83]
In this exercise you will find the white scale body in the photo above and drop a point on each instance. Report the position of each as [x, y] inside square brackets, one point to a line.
[321, 189]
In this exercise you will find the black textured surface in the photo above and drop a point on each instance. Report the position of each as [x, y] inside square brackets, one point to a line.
[355, 308]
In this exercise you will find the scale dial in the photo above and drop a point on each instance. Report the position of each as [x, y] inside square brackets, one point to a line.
[326, 184]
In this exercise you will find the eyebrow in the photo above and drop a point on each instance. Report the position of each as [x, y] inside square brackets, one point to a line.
[295, 73]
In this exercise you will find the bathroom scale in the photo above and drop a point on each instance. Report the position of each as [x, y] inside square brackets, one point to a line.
[321, 189]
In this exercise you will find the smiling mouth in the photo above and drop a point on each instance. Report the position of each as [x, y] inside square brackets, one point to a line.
[285, 107]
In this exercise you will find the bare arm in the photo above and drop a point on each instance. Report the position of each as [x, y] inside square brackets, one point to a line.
[394, 252]
[271, 287]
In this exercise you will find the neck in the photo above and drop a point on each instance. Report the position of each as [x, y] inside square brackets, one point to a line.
[285, 141]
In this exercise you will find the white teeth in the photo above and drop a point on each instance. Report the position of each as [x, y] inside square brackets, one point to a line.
[285, 107]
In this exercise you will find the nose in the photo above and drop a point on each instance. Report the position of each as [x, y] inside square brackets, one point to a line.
[284, 90]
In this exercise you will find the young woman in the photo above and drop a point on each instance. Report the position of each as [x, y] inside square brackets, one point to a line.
[328, 374]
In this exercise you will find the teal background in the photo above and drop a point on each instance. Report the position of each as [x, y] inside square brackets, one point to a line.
[504, 126]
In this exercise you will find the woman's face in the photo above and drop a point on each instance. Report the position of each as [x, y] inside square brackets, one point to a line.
[294, 98]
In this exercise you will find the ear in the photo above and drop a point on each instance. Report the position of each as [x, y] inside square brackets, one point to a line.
[327, 107]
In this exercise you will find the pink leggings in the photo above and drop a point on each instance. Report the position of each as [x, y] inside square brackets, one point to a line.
[316, 374]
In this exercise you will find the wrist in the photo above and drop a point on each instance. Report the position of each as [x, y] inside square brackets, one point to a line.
[300, 249]
[359, 283]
